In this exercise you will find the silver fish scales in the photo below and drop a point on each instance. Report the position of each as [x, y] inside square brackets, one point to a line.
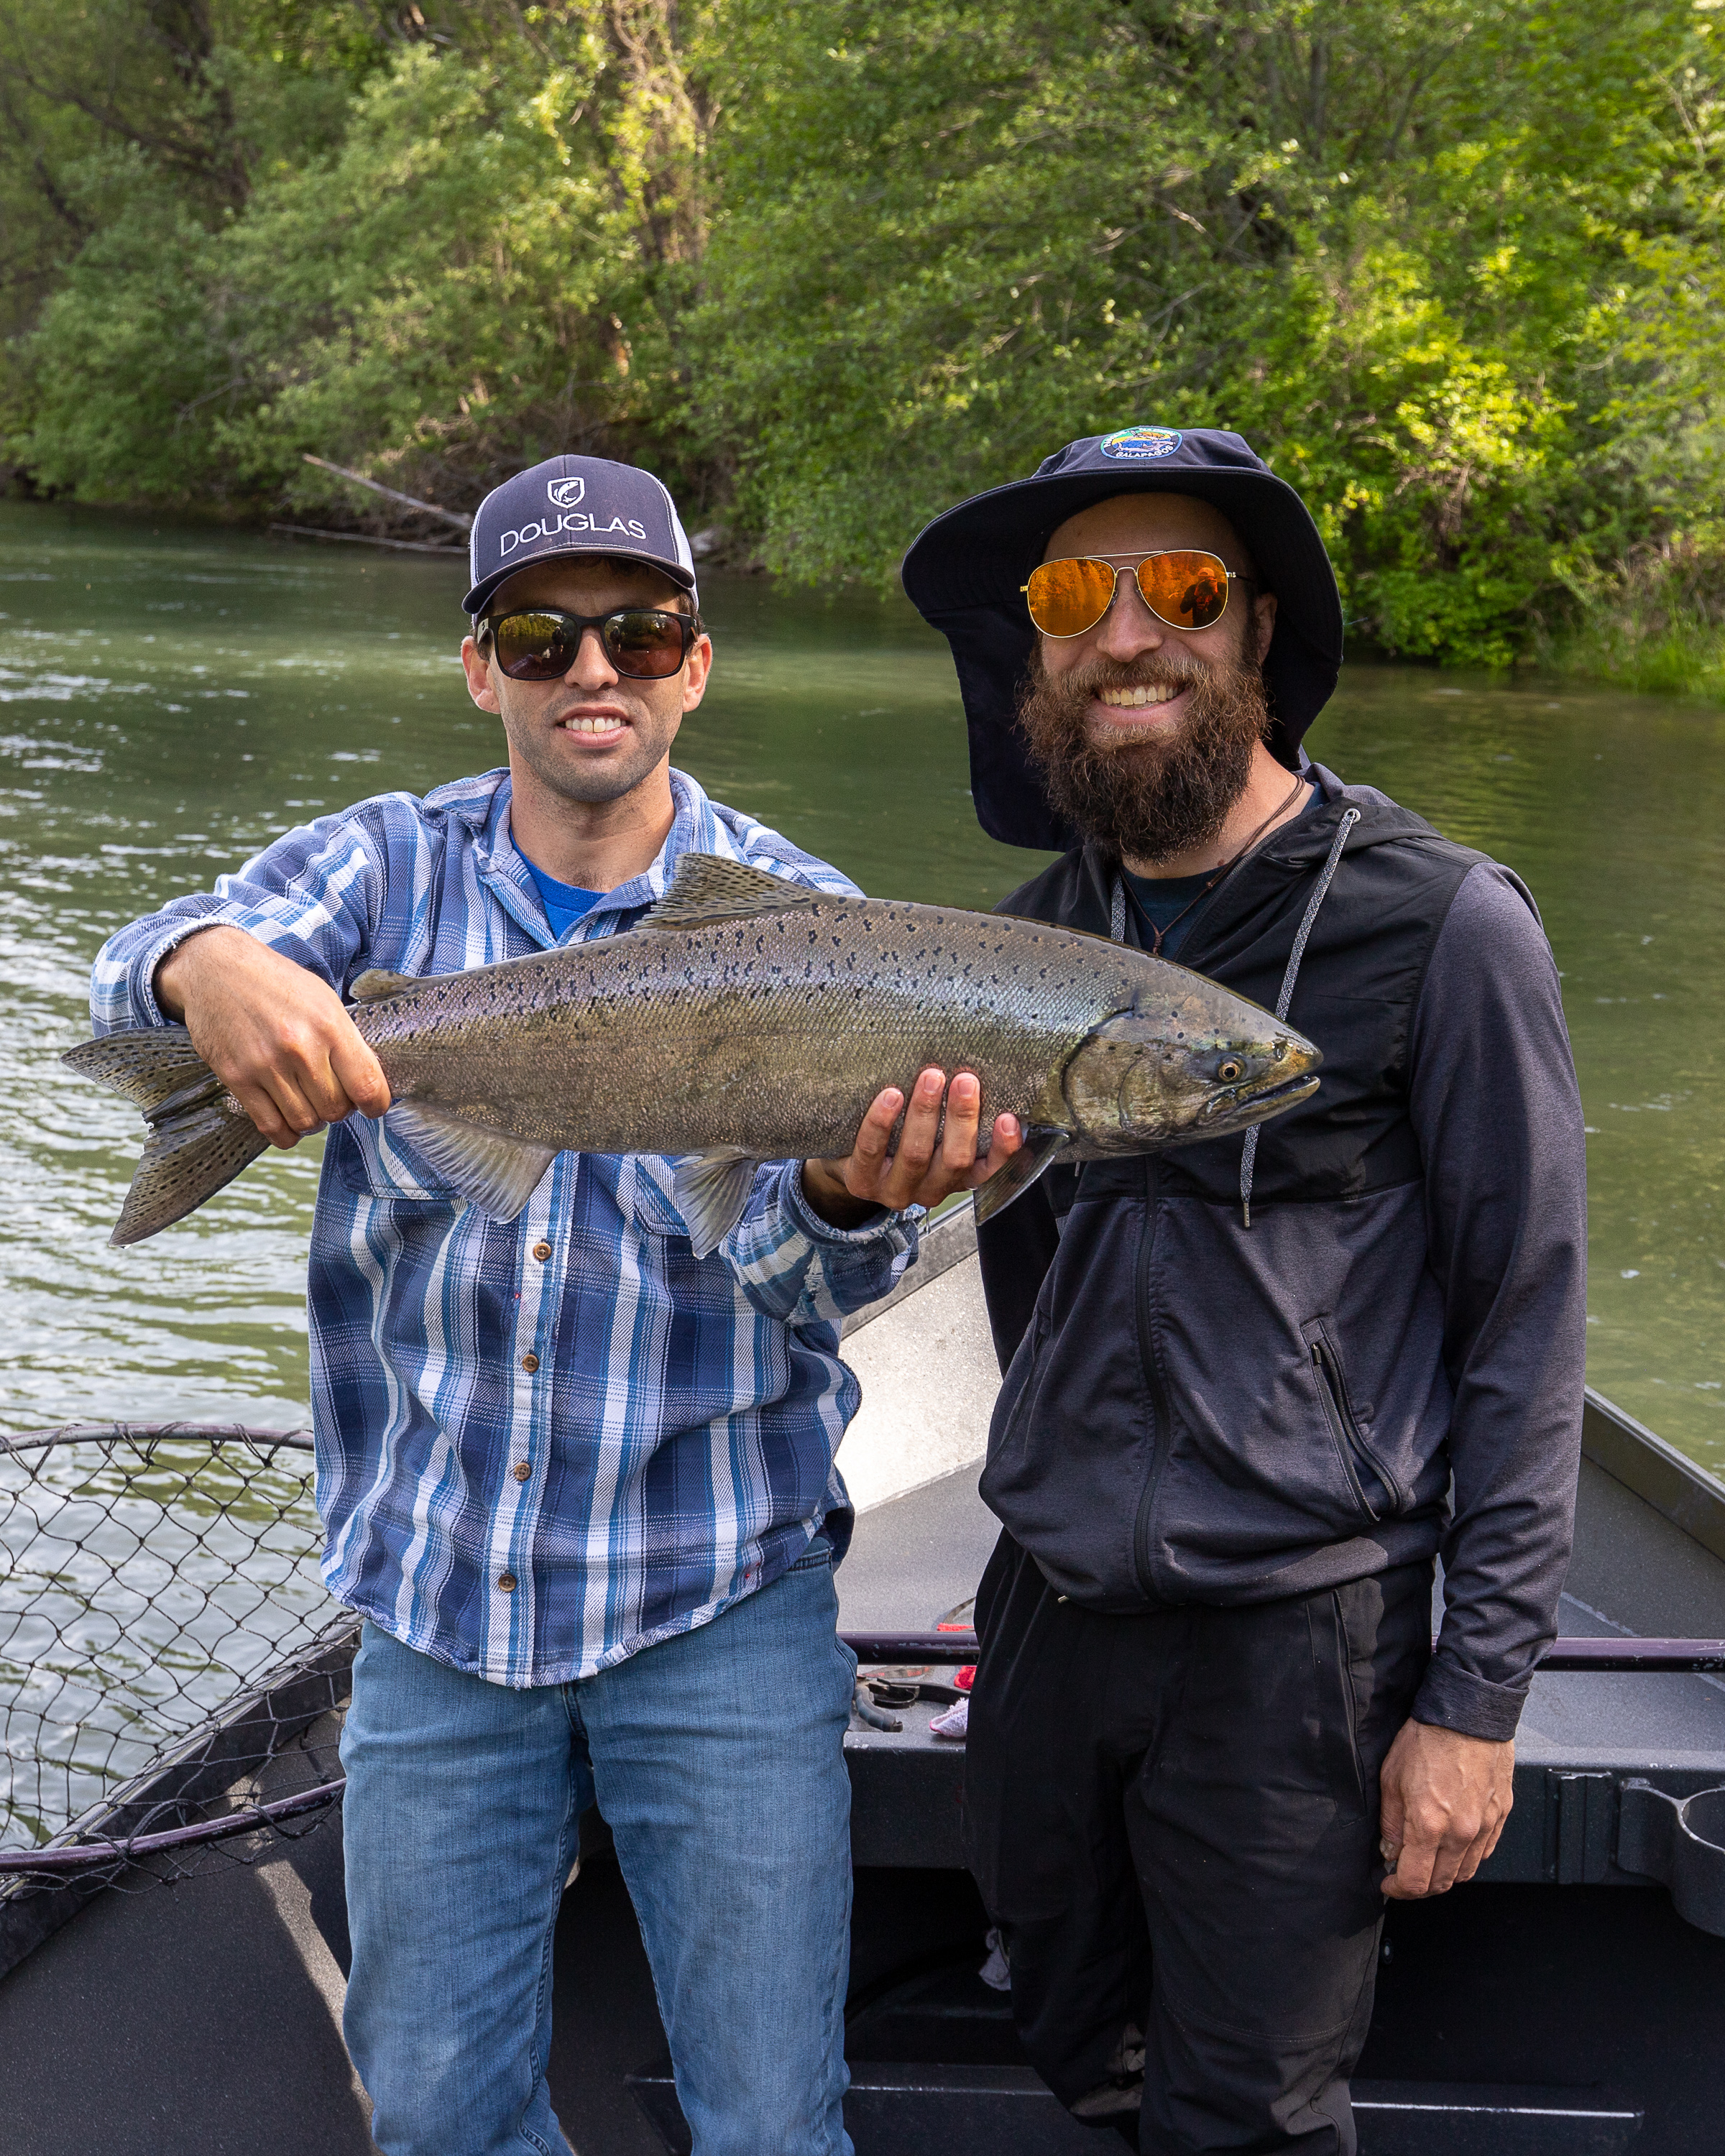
[747, 1019]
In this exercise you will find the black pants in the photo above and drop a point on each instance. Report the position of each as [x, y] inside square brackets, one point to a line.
[1175, 1816]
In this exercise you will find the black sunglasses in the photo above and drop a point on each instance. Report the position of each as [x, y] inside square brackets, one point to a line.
[643, 643]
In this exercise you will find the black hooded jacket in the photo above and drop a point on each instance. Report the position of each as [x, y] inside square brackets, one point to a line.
[1199, 1410]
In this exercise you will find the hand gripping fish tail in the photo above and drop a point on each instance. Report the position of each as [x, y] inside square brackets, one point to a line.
[747, 1019]
[198, 1137]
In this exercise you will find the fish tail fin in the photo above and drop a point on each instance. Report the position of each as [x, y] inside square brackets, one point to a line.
[198, 1137]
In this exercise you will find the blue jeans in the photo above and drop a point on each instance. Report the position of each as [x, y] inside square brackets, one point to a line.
[718, 1760]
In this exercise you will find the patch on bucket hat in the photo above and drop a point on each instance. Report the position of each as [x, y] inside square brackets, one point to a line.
[1134, 444]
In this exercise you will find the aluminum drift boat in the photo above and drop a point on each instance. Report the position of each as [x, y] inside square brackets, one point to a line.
[1567, 2004]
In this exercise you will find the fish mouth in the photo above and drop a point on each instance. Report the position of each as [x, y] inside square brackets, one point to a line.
[1287, 1091]
[1261, 1101]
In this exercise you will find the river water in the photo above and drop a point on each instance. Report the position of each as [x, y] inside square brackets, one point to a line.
[174, 696]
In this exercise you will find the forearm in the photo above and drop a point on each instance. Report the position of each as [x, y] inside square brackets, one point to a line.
[253, 972]
[311, 897]
[178, 972]
[125, 980]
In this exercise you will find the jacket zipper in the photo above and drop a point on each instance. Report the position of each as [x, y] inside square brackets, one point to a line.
[1332, 1389]
[1161, 1424]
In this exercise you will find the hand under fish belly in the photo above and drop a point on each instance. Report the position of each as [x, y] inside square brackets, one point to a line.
[745, 1020]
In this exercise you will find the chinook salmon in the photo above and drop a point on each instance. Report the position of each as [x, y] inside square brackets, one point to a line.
[745, 1020]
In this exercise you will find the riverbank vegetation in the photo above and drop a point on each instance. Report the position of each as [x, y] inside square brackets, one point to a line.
[1455, 268]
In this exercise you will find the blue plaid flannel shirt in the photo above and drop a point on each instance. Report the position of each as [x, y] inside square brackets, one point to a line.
[540, 1447]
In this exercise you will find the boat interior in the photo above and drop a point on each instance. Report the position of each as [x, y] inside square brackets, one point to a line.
[1567, 2003]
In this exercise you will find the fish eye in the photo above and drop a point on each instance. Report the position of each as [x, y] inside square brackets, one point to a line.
[1230, 1069]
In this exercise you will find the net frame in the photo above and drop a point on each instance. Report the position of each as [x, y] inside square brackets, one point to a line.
[208, 1781]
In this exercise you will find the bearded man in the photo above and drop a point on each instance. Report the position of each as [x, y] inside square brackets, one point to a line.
[1251, 1390]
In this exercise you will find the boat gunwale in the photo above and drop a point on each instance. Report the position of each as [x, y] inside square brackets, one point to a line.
[1666, 1481]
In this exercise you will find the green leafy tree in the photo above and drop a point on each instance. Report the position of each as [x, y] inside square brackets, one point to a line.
[1423, 255]
[469, 270]
[1455, 268]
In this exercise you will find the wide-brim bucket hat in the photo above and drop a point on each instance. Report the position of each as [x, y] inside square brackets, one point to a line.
[964, 571]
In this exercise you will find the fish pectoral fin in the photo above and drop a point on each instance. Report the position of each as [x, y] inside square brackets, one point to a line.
[711, 1190]
[1042, 1146]
[707, 887]
[377, 982]
[492, 1170]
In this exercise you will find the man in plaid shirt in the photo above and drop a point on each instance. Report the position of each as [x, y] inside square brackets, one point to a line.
[580, 1483]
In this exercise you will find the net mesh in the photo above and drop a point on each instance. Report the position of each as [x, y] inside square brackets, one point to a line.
[172, 1670]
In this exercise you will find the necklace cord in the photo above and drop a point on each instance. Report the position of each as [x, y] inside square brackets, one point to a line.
[1220, 876]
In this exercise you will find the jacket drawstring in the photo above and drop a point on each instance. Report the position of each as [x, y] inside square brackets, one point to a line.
[1117, 926]
[1249, 1154]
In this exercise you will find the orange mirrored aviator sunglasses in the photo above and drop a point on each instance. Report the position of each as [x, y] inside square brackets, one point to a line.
[1185, 588]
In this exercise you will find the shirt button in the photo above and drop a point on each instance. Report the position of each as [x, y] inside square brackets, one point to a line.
[521, 1470]
[529, 1364]
[506, 1580]
[542, 1252]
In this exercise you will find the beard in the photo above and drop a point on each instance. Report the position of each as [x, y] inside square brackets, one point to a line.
[1151, 799]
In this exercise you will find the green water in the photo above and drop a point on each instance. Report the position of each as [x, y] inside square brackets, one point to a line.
[173, 697]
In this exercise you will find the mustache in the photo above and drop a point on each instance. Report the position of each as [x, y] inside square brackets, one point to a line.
[1091, 679]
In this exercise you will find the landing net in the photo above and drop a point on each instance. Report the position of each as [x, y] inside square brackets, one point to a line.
[172, 1670]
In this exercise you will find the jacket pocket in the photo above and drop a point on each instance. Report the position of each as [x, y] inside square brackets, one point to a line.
[641, 1198]
[1377, 1491]
[1335, 1724]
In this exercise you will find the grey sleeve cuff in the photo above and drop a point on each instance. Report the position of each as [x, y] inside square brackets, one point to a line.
[1455, 1699]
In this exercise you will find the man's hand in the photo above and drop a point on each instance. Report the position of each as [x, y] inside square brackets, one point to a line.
[1443, 1799]
[276, 1036]
[846, 1193]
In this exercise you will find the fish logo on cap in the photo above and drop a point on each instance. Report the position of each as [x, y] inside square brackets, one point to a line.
[1135, 444]
[565, 492]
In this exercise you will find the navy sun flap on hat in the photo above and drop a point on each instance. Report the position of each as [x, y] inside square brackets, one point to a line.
[963, 574]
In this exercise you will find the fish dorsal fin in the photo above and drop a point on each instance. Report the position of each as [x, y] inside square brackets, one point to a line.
[707, 887]
[377, 982]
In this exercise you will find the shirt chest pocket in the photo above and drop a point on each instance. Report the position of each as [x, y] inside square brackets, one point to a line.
[369, 1159]
[640, 1199]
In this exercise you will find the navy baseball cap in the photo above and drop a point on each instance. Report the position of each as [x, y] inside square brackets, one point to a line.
[576, 505]
[963, 574]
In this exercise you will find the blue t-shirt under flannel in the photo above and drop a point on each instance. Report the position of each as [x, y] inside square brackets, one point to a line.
[565, 903]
